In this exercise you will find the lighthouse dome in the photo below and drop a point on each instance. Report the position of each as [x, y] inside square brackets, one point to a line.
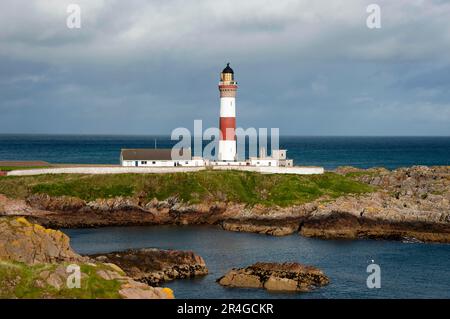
[228, 69]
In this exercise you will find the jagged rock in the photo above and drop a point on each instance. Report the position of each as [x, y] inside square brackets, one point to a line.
[411, 203]
[32, 243]
[276, 277]
[115, 204]
[62, 203]
[154, 266]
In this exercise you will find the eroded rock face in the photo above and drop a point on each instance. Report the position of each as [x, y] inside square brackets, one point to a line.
[411, 203]
[155, 266]
[284, 277]
[62, 203]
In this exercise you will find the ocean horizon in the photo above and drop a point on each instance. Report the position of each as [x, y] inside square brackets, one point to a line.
[327, 151]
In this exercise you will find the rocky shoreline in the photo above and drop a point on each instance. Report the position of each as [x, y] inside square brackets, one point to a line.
[37, 262]
[406, 203]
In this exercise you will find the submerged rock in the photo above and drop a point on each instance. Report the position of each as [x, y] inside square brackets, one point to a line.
[155, 266]
[280, 277]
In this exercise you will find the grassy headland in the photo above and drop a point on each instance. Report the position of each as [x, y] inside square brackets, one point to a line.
[243, 187]
[20, 280]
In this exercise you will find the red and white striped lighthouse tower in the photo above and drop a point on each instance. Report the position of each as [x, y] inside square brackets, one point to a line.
[227, 88]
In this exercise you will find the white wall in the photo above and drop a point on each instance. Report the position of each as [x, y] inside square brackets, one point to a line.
[263, 162]
[188, 163]
[105, 170]
[222, 163]
[279, 154]
[143, 170]
[299, 170]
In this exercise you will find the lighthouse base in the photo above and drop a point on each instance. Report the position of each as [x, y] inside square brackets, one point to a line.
[227, 150]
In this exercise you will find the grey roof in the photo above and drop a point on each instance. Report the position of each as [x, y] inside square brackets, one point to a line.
[159, 154]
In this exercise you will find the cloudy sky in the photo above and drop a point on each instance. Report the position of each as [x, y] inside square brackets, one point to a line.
[308, 67]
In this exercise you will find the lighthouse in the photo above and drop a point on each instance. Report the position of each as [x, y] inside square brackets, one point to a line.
[228, 88]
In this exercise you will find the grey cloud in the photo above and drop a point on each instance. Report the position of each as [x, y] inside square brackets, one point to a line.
[308, 67]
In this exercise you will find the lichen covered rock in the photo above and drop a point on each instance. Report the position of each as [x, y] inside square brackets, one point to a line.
[31, 243]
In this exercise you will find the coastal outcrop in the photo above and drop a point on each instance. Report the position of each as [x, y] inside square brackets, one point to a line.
[400, 204]
[36, 262]
[156, 266]
[411, 203]
[277, 277]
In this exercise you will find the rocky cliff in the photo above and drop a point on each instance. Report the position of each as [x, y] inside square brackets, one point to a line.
[410, 203]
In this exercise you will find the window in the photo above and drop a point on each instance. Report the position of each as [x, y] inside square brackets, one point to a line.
[270, 163]
[153, 162]
[186, 162]
[143, 162]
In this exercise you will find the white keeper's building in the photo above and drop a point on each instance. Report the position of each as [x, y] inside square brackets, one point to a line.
[159, 158]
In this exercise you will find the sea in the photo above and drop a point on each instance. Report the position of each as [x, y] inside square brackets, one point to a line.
[329, 152]
[407, 269]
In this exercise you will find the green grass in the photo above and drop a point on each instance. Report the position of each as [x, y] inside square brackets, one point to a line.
[243, 187]
[19, 280]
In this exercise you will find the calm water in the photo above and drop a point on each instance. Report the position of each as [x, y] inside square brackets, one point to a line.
[408, 270]
[330, 152]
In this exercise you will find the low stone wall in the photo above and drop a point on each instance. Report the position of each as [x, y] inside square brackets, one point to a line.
[104, 170]
[300, 170]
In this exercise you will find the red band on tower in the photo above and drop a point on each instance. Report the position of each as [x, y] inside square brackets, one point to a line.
[227, 128]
